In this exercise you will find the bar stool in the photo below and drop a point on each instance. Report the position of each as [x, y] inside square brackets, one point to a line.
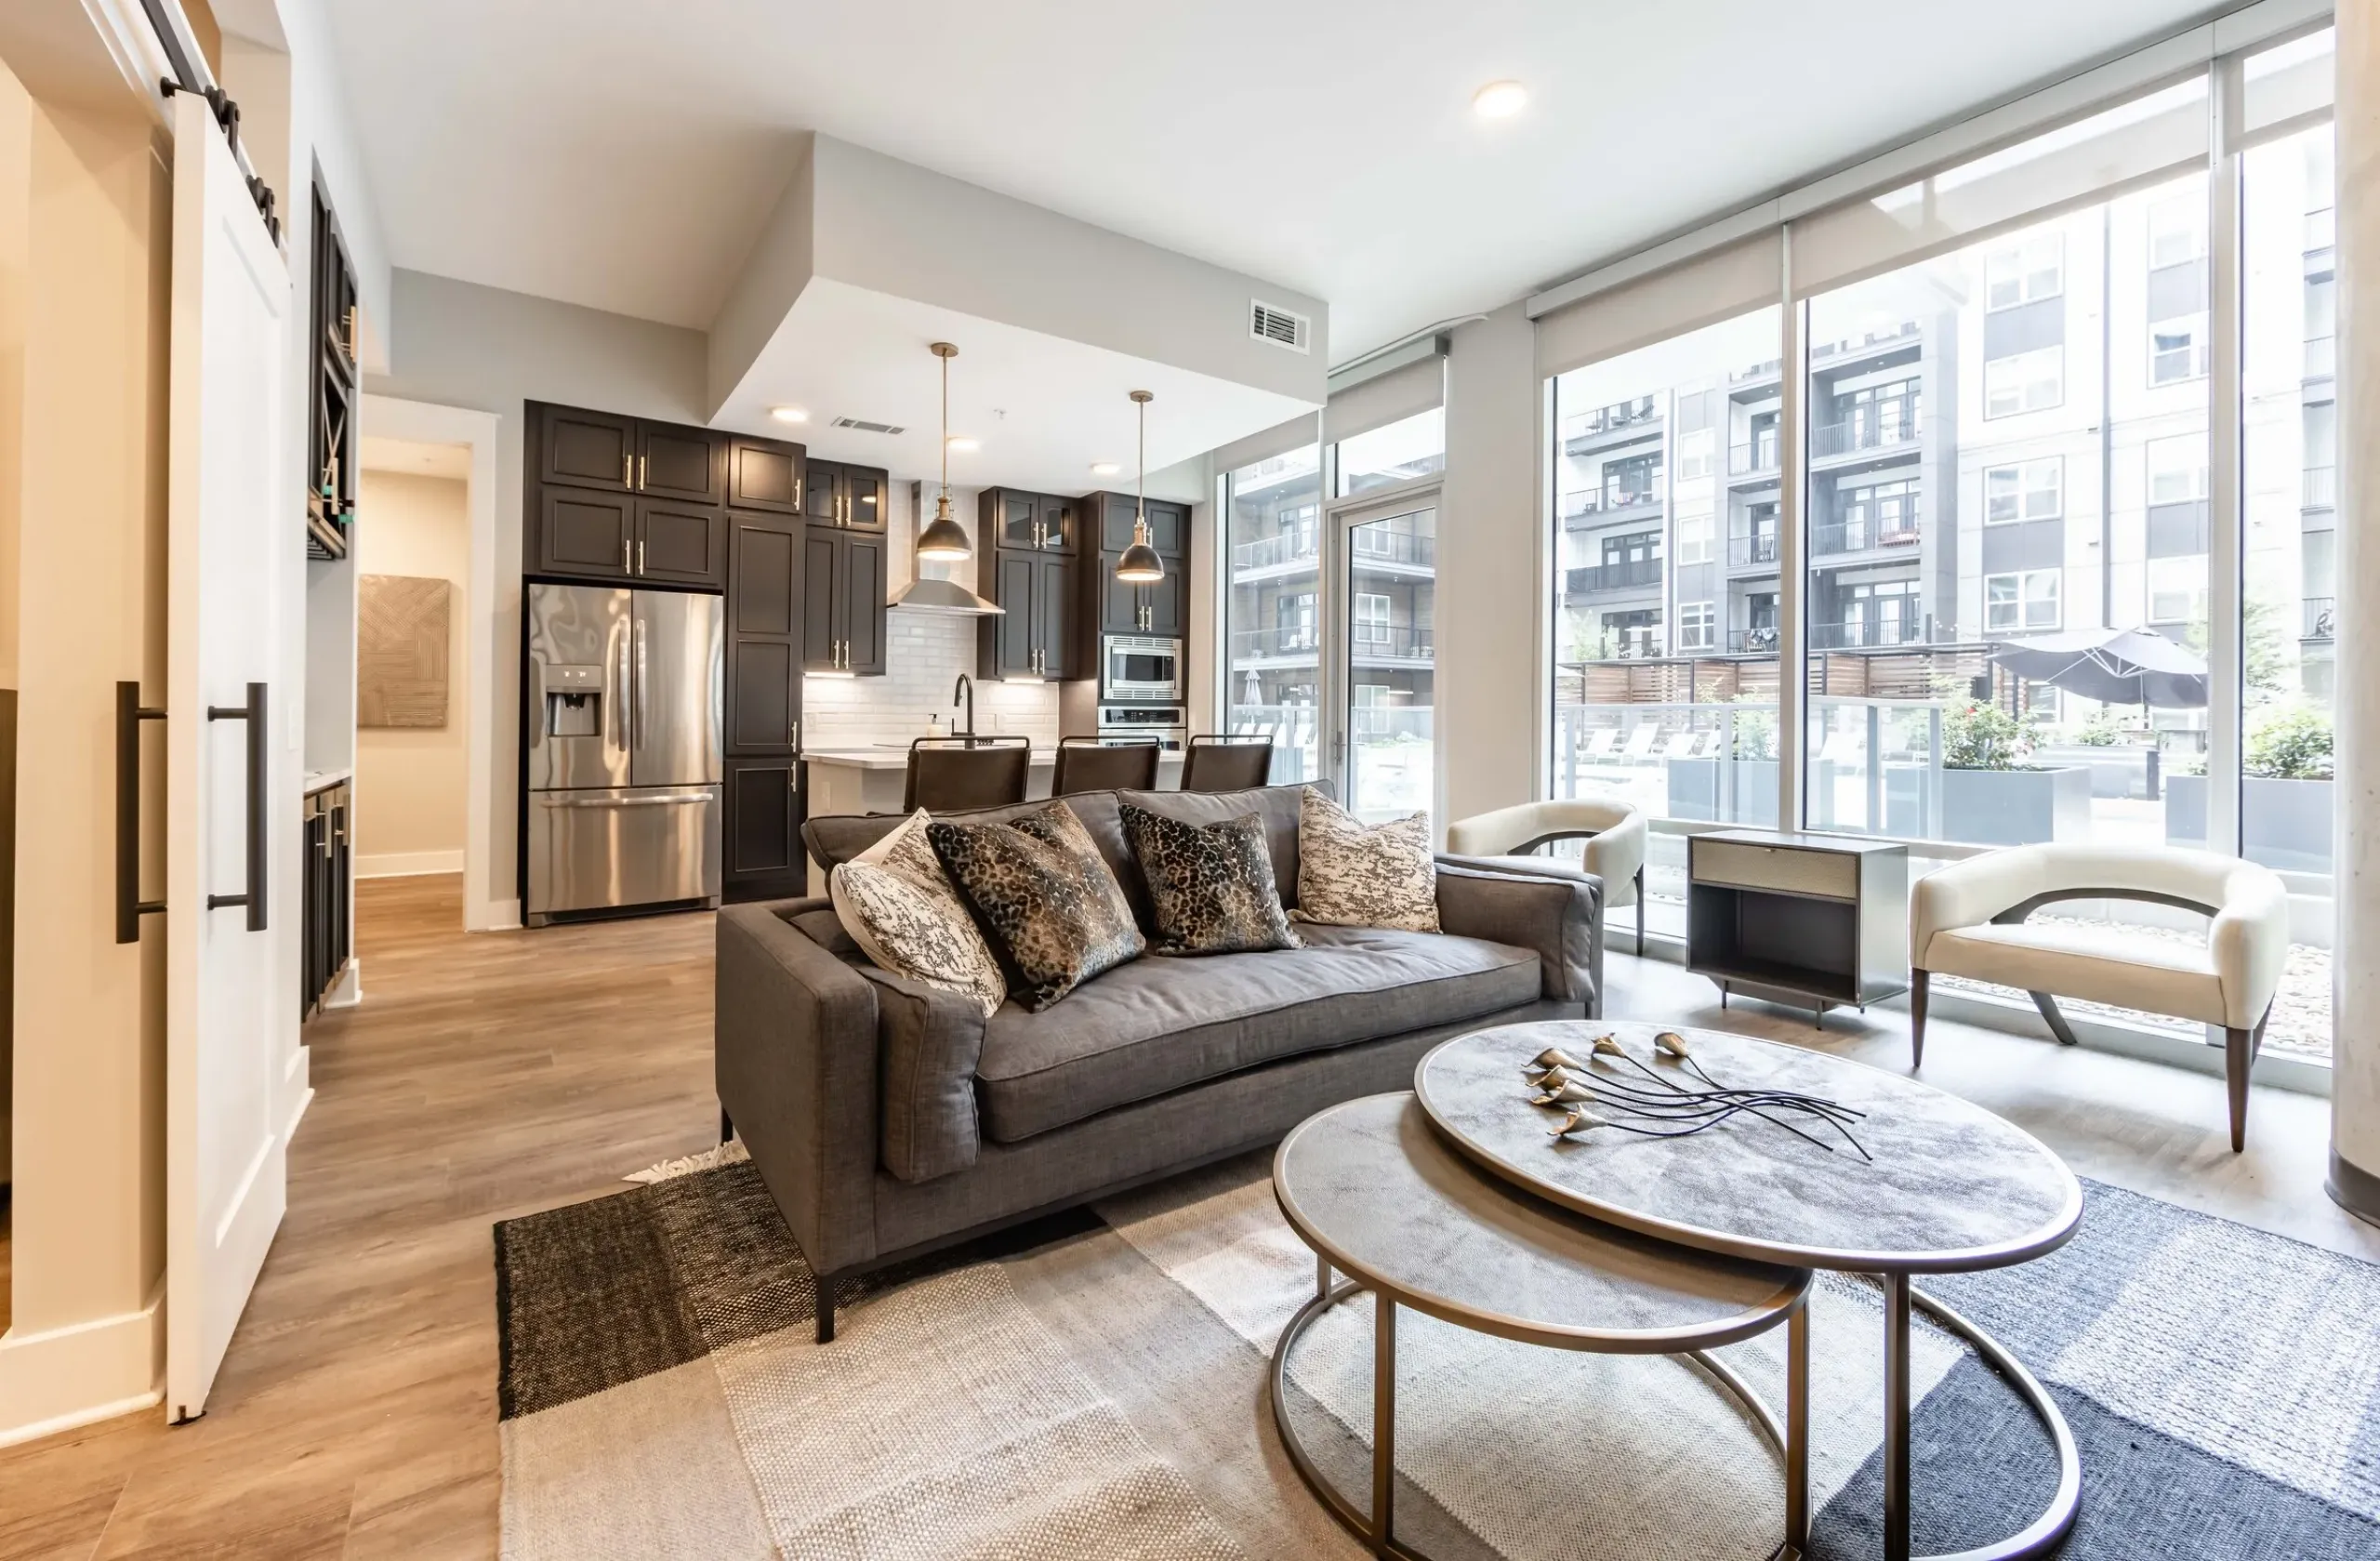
[950, 775]
[1098, 764]
[1227, 761]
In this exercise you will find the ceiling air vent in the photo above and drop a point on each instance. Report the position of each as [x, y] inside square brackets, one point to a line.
[862, 426]
[1280, 326]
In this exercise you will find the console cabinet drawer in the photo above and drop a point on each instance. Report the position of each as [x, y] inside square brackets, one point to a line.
[1833, 875]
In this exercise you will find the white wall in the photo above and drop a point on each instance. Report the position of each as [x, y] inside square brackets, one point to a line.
[456, 344]
[410, 781]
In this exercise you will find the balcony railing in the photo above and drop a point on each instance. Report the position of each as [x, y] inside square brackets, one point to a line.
[1901, 332]
[1866, 636]
[1642, 574]
[1752, 459]
[1752, 642]
[1291, 640]
[1370, 545]
[2321, 618]
[1266, 553]
[2321, 487]
[1759, 547]
[1613, 418]
[1857, 537]
[1391, 642]
[1868, 432]
[1611, 501]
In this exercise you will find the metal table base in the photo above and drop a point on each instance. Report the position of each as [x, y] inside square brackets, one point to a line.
[1377, 1528]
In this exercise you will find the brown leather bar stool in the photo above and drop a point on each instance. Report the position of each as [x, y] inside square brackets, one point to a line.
[1226, 762]
[950, 775]
[1097, 764]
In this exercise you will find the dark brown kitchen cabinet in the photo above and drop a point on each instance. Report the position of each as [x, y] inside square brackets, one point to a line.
[763, 475]
[1159, 608]
[587, 449]
[689, 465]
[848, 497]
[761, 834]
[681, 544]
[587, 535]
[1026, 521]
[844, 573]
[764, 624]
[1168, 523]
[1034, 635]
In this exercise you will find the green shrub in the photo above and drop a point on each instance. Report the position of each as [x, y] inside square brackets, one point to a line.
[1981, 735]
[1755, 733]
[2293, 744]
[2102, 731]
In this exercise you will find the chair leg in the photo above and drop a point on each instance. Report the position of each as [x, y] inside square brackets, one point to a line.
[726, 1125]
[2239, 1055]
[825, 1308]
[1917, 993]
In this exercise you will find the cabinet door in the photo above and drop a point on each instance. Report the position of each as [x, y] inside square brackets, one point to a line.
[681, 544]
[585, 533]
[762, 833]
[764, 625]
[822, 490]
[1058, 531]
[864, 490]
[1164, 602]
[822, 575]
[586, 449]
[1008, 640]
[762, 475]
[865, 573]
[1120, 604]
[1053, 603]
[681, 463]
[1170, 529]
[1015, 518]
[1115, 512]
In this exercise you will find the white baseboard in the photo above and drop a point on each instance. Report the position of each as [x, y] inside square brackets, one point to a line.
[56, 1381]
[494, 915]
[409, 864]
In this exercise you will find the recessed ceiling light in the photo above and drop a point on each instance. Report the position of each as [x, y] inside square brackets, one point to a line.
[1500, 100]
[1104, 469]
[788, 413]
[961, 444]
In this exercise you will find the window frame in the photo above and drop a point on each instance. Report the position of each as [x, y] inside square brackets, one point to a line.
[2024, 601]
[2025, 489]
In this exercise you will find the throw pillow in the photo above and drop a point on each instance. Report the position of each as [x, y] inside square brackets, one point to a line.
[1041, 889]
[1352, 876]
[897, 905]
[1210, 886]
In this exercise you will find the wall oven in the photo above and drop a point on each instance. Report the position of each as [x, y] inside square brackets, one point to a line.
[1140, 666]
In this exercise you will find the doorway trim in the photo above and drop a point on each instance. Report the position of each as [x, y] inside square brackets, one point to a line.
[485, 908]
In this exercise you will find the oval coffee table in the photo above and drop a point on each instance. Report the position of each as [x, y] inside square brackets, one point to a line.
[1381, 1196]
[1951, 1189]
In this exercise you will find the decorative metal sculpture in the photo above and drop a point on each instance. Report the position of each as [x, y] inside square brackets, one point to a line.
[1662, 1107]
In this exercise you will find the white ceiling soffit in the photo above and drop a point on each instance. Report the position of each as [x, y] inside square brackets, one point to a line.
[414, 457]
[625, 157]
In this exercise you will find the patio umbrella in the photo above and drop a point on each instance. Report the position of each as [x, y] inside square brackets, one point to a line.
[2113, 666]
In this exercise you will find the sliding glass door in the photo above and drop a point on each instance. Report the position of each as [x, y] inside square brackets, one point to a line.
[1388, 650]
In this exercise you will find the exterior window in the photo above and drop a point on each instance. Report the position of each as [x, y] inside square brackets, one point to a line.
[2178, 589]
[2024, 382]
[1293, 616]
[2177, 349]
[1694, 454]
[1371, 619]
[2026, 491]
[2176, 230]
[1402, 452]
[2177, 470]
[1694, 534]
[1696, 623]
[2033, 268]
[2025, 600]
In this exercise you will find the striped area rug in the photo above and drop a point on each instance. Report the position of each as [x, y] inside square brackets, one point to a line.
[1092, 1387]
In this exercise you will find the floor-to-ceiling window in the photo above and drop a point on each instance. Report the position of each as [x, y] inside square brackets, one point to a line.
[1271, 612]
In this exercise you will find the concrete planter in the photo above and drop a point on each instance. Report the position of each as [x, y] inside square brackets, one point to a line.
[2015, 807]
[2288, 822]
[1694, 791]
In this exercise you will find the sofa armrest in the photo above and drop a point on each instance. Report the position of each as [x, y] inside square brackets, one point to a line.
[2248, 942]
[1557, 915]
[795, 1056]
[1969, 893]
[932, 1041]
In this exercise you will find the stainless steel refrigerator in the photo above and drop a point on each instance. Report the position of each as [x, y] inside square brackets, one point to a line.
[623, 770]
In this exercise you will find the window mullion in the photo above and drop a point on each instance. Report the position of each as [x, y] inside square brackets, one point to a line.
[2225, 558]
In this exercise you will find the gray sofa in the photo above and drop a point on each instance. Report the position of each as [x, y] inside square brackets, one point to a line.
[889, 1119]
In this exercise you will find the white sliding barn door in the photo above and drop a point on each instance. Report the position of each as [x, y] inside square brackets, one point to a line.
[226, 1146]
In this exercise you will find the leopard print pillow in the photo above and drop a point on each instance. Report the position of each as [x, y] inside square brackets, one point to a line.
[1352, 876]
[897, 905]
[1210, 886]
[1040, 888]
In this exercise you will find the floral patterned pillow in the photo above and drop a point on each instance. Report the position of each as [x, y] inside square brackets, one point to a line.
[1351, 875]
[896, 903]
[1210, 886]
[1041, 889]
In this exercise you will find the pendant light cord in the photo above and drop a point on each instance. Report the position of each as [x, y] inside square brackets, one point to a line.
[946, 426]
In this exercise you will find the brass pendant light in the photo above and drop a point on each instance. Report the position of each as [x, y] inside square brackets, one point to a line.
[943, 541]
[1137, 565]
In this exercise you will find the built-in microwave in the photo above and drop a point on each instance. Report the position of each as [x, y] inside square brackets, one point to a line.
[1141, 667]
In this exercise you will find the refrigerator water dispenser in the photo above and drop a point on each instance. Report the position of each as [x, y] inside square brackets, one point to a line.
[573, 701]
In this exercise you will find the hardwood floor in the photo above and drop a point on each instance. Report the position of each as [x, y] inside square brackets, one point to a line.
[490, 1076]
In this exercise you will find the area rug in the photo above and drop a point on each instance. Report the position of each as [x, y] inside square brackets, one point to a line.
[1093, 1387]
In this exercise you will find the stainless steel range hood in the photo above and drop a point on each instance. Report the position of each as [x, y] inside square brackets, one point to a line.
[946, 597]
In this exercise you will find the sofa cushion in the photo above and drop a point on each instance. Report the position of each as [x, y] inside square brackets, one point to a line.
[1211, 888]
[1351, 874]
[901, 909]
[1276, 805]
[2101, 965]
[1050, 902]
[1162, 1025]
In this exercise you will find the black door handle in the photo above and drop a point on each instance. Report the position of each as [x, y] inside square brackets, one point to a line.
[253, 713]
[129, 907]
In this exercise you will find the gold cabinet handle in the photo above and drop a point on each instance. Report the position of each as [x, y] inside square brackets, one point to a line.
[639, 555]
[627, 471]
[628, 556]
[643, 473]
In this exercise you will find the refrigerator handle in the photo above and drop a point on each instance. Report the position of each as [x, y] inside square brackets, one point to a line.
[637, 628]
[616, 711]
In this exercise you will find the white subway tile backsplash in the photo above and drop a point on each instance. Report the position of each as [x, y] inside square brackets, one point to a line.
[924, 653]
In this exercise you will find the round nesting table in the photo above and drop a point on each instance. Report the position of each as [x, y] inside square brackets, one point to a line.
[1381, 1198]
[1951, 1189]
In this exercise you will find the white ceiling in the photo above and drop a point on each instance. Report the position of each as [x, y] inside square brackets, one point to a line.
[621, 153]
[412, 458]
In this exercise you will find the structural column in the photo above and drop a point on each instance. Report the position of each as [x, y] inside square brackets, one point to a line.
[2354, 994]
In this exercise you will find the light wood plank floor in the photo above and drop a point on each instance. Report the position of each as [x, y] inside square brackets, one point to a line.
[486, 1077]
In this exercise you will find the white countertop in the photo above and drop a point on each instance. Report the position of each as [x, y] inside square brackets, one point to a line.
[898, 758]
[318, 780]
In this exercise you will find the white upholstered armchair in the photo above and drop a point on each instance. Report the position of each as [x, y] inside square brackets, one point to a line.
[1613, 830]
[1969, 919]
